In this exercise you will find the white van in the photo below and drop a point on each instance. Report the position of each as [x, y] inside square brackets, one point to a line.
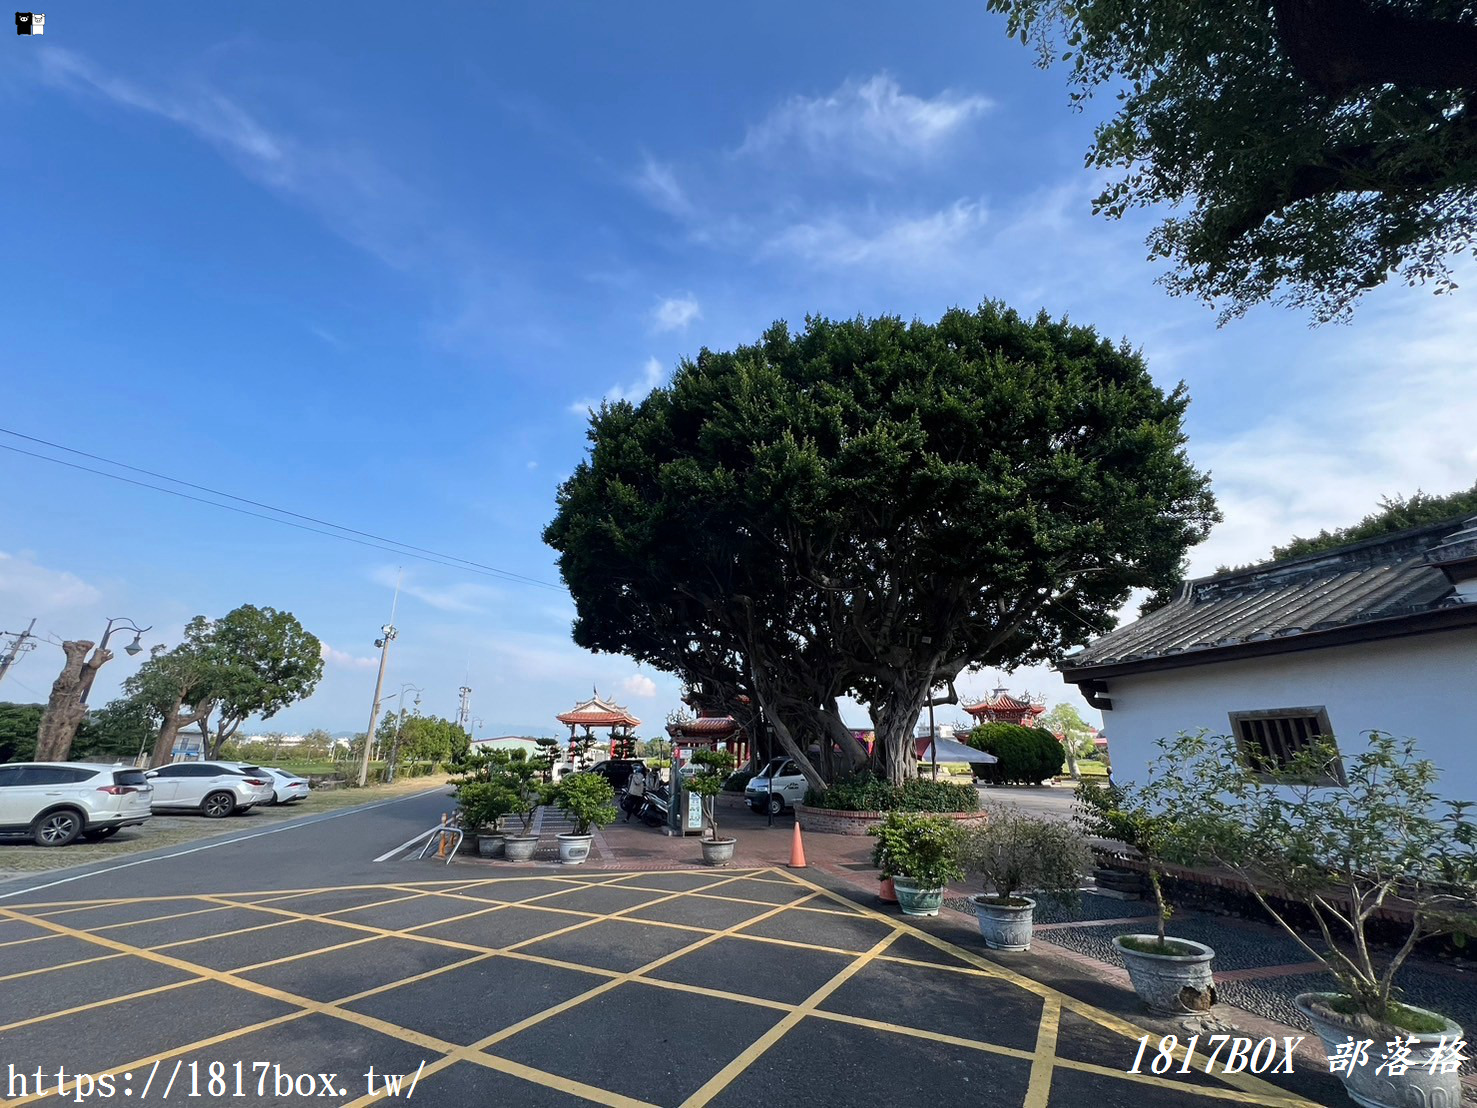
[779, 785]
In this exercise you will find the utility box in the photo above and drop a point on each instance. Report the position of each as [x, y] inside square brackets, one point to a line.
[685, 810]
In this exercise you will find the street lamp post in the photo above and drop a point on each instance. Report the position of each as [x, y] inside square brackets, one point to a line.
[393, 760]
[90, 673]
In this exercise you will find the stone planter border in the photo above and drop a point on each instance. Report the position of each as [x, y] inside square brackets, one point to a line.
[830, 821]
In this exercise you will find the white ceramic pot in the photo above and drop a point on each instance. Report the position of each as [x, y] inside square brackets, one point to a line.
[1005, 926]
[574, 849]
[519, 848]
[718, 852]
[1171, 983]
[1417, 1087]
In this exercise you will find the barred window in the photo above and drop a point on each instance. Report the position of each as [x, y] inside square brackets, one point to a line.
[1271, 739]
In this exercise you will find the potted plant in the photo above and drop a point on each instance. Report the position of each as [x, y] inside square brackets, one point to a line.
[522, 778]
[589, 801]
[1170, 975]
[885, 890]
[1345, 844]
[922, 854]
[481, 805]
[1014, 853]
[714, 766]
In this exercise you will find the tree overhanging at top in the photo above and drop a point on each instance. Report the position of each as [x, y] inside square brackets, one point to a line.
[868, 508]
[1311, 147]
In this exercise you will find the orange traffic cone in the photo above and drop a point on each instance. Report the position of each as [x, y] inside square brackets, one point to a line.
[797, 849]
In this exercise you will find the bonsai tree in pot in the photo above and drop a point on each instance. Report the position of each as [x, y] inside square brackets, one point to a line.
[481, 805]
[522, 779]
[885, 890]
[714, 766]
[1170, 975]
[589, 801]
[922, 854]
[1346, 844]
[1014, 853]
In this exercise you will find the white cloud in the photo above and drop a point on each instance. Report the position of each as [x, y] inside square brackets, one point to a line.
[660, 185]
[31, 589]
[344, 659]
[928, 242]
[864, 122]
[532, 465]
[675, 313]
[639, 685]
[651, 377]
[465, 597]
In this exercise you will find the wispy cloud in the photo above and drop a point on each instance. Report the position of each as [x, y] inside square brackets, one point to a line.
[464, 597]
[864, 124]
[651, 377]
[675, 313]
[32, 589]
[639, 685]
[658, 182]
[876, 240]
[344, 660]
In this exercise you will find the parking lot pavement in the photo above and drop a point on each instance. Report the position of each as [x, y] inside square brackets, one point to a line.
[547, 988]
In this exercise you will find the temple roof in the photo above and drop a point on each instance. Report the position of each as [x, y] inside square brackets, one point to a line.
[1002, 703]
[703, 726]
[1390, 585]
[596, 712]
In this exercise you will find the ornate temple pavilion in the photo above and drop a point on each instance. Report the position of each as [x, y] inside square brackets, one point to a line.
[1001, 707]
[596, 713]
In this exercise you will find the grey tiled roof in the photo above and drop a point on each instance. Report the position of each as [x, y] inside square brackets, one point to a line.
[1370, 580]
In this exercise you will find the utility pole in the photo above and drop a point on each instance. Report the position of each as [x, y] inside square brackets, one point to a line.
[388, 636]
[20, 643]
[464, 713]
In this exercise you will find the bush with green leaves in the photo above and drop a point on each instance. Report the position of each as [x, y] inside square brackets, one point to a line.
[1024, 755]
[738, 780]
[921, 848]
[714, 767]
[1014, 852]
[1342, 837]
[587, 799]
[1120, 814]
[482, 804]
[866, 793]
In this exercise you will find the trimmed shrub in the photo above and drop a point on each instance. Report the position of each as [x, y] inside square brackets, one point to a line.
[737, 780]
[866, 793]
[1027, 755]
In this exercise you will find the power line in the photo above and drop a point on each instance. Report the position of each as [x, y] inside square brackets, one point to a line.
[451, 561]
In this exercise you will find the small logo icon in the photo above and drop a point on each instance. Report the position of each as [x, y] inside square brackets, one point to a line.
[30, 23]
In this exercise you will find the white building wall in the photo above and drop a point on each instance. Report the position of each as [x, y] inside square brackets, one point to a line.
[1420, 686]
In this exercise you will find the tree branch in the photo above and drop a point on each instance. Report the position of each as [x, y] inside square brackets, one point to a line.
[1340, 45]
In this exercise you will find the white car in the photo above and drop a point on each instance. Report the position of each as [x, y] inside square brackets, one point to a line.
[287, 787]
[215, 789]
[779, 785]
[56, 802]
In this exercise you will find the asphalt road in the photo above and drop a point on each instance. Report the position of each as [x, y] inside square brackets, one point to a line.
[285, 966]
[1048, 801]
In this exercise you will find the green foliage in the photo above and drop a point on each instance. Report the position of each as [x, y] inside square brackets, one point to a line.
[738, 781]
[714, 767]
[1012, 852]
[482, 804]
[1027, 755]
[865, 792]
[1339, 843]
[19, 724]
[1397, 513]
[1307, 154]
[1060, 460]
[121, 728]
[514, 775]
[1122, 815]
[588, 800]
[925, 849]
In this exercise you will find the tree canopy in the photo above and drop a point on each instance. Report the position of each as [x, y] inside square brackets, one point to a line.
[1314, 147]
[868, 507]
[1397, 513]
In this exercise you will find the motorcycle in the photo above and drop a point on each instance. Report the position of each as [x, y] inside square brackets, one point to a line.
[653, 810]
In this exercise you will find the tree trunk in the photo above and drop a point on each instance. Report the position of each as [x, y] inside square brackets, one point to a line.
[1069, 744]
[168, 730]
[65, 710]
[894, 753]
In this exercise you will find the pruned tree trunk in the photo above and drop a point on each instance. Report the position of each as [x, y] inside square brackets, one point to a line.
[176, 719]
[65, 710]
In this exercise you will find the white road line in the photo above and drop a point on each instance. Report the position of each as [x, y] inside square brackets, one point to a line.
[387, 855]
[220, 842]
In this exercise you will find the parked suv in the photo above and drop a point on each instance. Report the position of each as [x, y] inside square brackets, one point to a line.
[56, 802]
[618, 770]
[788, 787]
[215, 789]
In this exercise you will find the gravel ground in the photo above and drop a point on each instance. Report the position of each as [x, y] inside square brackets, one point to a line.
[1236, 948]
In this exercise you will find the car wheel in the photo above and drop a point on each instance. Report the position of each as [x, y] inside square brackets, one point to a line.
[776, 805]
[57, 828]
[98, 834]
[218, 805]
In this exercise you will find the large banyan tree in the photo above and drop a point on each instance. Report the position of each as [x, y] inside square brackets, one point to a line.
[868, 508]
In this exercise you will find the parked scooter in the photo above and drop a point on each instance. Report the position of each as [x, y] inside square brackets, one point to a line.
[653, 811]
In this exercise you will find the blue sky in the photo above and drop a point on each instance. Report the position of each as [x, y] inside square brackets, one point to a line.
[372, 265]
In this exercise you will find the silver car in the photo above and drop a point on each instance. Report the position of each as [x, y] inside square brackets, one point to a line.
[215, 789]
[56, 802]
[779, 785]
[287, 787]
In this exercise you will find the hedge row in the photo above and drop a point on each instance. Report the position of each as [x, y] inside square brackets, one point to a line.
[865, 793]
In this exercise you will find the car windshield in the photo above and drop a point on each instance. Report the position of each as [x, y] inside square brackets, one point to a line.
[250, 771]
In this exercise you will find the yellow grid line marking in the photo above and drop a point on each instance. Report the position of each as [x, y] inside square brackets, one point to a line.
[1038, 1090]
[755, 1050]
[100, 1004]
[1256, 1090]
